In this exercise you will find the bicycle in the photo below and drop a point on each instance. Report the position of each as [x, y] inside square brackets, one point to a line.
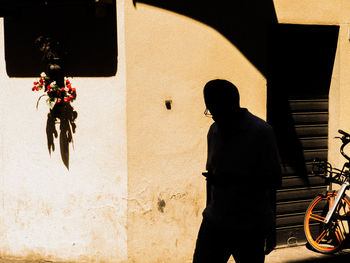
[327, 219]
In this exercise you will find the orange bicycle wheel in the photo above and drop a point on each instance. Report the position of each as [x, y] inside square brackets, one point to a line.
[327, 238]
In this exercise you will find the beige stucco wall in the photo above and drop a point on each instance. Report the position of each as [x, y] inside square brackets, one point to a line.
[309, 11]
[340, 96]
[323, 12]
[334, 106]
[134, 191]
[46, 211]
[320, 12]
[170, 56]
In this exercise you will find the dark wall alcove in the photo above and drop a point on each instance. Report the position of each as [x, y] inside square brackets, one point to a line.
[301, 59]
[86, 31]
[300, 68]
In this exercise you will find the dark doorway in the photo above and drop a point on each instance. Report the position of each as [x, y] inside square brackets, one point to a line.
[86, 31]
[301, 60]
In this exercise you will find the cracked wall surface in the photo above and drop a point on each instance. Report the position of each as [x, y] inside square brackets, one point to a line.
[171, 57]
[134, 191]
[47, 211]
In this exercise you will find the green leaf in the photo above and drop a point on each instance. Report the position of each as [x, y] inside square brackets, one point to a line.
[52, 103]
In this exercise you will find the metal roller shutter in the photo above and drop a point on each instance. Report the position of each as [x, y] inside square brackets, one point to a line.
[301, 61]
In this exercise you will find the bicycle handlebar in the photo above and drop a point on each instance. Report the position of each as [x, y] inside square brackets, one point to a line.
[344, 133]
[345, 139]
[337, 178]
[325, 170]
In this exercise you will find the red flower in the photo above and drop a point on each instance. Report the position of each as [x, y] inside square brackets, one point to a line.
[64, 94]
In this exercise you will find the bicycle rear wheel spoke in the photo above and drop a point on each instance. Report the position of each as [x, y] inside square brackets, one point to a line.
[340, 233]
[338, 236]
[317, 217]
[321, 236]
[326, 238]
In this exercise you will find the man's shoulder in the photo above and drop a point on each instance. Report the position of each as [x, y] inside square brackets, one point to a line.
[212, 129]
[212, 126]
[258, 124]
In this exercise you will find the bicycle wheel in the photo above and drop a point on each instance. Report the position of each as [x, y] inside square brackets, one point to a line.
[327, 238]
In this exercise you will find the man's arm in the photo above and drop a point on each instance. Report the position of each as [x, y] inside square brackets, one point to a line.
[208, 174]
[271, 167]
[270, 160]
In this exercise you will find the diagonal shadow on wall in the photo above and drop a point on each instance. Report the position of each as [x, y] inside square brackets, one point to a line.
[245, 23]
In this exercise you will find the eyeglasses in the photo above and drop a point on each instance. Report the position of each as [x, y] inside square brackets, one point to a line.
[207, 113]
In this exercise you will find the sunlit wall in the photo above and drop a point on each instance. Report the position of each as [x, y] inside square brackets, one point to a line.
[47, 211]
[134, 191]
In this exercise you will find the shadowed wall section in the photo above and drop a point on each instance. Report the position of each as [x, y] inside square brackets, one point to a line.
[172, 51]
[49, 213]
[245, 23]
[301, 60]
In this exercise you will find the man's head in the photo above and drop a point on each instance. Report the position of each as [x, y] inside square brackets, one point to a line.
[221, 99]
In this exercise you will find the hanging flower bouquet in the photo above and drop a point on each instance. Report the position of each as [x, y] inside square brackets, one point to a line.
[55, 94]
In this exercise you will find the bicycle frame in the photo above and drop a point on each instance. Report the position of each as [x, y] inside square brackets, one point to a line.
[335, 203]
[345, 184]
[327, 218]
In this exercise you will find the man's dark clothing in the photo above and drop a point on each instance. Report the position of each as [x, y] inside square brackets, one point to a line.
[216, 244]
[244, 171]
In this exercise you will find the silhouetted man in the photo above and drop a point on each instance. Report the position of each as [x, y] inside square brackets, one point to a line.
[243, 174]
